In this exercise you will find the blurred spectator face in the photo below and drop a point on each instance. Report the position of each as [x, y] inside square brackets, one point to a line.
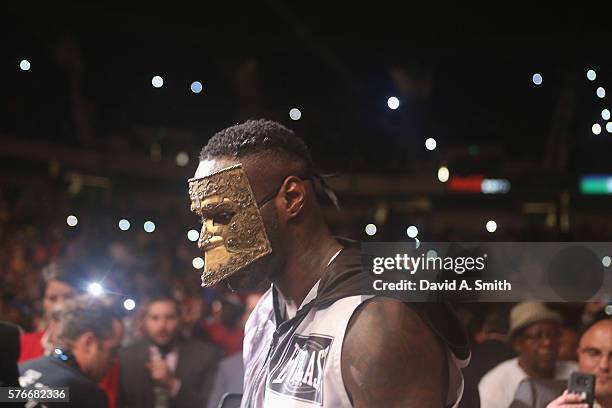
[162, 322]
[538, 347]
[56, 293]
[228, 310]
[192, 311]
[95, 356]
[595, 356]
[593, 307]
[568, 344]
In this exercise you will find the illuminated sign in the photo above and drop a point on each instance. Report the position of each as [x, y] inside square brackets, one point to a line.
[596, 184]
[478, 184]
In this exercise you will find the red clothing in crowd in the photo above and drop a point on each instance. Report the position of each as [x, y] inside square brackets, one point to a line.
[31, 347]
[110, 382]
[230, 340]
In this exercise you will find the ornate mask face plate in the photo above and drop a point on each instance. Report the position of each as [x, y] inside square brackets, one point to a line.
[233, 233]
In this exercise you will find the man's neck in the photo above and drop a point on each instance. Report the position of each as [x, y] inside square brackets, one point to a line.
[535, 374]
[304, 267]
[165, 348]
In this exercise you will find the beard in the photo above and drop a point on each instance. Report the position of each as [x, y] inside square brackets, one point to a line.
[251, 277]
[256, 275]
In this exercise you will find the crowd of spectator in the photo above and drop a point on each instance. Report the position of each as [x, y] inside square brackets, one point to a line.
[46, 265]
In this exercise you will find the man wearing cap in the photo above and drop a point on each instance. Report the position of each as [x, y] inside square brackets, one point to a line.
[317, 337]
[534, 334]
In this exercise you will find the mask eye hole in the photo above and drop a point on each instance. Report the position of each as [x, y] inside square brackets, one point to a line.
[222, 218]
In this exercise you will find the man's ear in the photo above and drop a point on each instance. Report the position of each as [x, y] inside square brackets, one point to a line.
[86, 342]
[293, 195]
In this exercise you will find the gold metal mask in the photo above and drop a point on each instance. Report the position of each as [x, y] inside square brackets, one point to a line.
[233, 233]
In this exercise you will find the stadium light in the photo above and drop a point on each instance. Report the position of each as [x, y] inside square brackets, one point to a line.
[124, 224]
[196, 87]
[370, 229]
[182, 159]
[412, 231]
[491, 226]
[393, 103]
[197, 262]
[193, 235]
[430, 144]
[149, 226]
[25, 65]
[537, 79]
[157, 81]
[95, 289]
[129, 304]
[443, 174]
[72, 221]
[295, 114]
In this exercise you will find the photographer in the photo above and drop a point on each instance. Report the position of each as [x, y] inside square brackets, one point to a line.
[594, 357]
[86, 338]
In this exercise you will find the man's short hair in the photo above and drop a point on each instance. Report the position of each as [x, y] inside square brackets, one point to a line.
[257, 136]
[599, 317]
[161, 295]
[84, 314]
[496, 321]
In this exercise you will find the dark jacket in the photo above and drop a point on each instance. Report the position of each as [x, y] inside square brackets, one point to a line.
[51, 372]
[9, 338]
[9, 373]
[485, 356]
[197, 363]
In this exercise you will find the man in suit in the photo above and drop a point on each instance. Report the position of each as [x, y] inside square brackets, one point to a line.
[164, 370]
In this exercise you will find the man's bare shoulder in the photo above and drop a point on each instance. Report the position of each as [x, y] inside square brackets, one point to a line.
[390, 357]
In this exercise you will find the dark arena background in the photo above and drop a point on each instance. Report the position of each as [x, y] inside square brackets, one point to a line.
[484, 124]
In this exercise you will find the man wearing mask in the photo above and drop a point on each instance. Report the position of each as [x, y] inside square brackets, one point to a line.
[534, 334]
[164, 370]
[319, 336]
[86, 337]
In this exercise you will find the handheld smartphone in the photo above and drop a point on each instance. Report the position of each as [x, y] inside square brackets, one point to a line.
[582, 384]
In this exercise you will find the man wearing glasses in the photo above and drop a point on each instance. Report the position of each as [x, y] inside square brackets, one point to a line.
[534, 335]
[594, 357]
